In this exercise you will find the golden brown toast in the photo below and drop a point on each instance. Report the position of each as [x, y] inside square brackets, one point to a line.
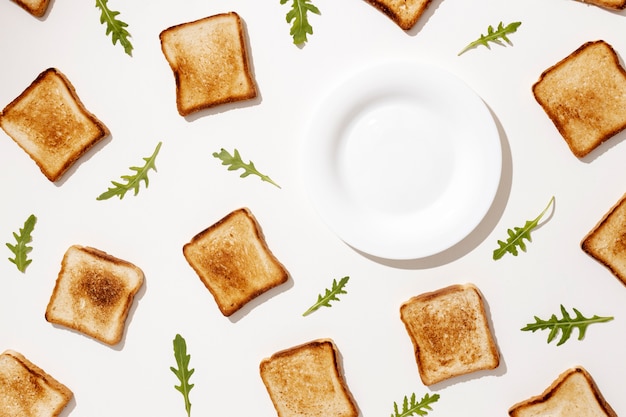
[606, 242]
[209, 58]
[608, 4]
[306, 381]
[405, 13]
[450, 333]
[573, 394]
[585, 96]
[51, 124]
[27, 390]
[233, 261]
[93, 293]
[35, 7]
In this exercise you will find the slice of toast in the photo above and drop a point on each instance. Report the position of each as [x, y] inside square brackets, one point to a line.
[573, 394]
[209, 58]
[607, 4]
[27, 390]
[306, 381]
[405, 13]
[585, 96]
[35, 7]
[93, 293]
[51, 124]
[232, 259]
[606, 242]
[450, 333]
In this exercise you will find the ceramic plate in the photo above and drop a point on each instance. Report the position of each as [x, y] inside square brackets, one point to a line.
[402, 160]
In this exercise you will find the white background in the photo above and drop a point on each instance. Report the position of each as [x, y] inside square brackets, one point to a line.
[134, 97]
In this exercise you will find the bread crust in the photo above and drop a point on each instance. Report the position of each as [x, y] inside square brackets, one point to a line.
[93, 293]
[450, 333]
[405, 13]
[569, 395]
[51, 124]
[606, 242]
[210, 62]
[306, 380]
[35, 7]
[233, 261]
[584, 95]
[608, 4]
[26, 390]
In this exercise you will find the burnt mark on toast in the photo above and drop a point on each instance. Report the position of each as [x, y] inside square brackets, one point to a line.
[102, 288]
[444, 332]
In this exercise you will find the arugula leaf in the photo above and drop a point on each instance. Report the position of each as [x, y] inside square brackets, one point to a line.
[298, 18]
[21, 248]
[115, 27]
[516, 238]
[565, 325]
[493, 36]
[413, 407]
[132, 181]
[329, 295]
[236, 163]
[183, 373]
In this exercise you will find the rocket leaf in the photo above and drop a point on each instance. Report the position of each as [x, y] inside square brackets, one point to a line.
[236, 163]
[115, 27]
[183, 373]
[412, 407]
[493, 35]
[329, 295]
[132, 181]
[298, 17]
[565, 325]
[517, 236]
[21, 248]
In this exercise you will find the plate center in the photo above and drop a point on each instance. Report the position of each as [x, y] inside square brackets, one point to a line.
[396, 156]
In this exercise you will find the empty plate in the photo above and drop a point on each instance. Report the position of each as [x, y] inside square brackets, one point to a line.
[402, 160]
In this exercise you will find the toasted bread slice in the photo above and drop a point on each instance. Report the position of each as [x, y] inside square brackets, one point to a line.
[573, 393]
[233, 261]
[450, 333]
[27, 390]
[606, 242]
[93, 293]
[51, 124]
[35, 7]
[306, 381]
[405, 13]
[607, 4]
[209, 58]
[585, 96]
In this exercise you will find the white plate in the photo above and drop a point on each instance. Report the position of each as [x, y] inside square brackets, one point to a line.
[402, 160]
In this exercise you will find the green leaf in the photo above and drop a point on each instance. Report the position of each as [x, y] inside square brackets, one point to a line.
[132, 181]
[298, 17]
[183, 373]
[329, 295]
[497, 36]
[236, 163]
[115, 27]
[565, 325]
[411, 407]
[517, 236]
[21, 248]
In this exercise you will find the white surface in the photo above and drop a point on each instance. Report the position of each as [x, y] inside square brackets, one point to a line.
[191, 190]
[393, 152]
